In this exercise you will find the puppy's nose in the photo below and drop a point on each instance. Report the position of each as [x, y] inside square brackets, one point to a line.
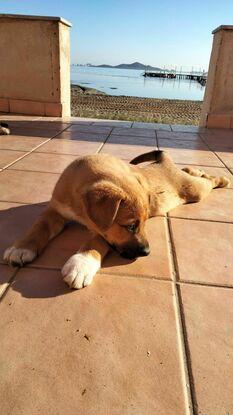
[143, 250]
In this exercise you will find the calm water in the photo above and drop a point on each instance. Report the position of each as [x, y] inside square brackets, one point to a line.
[131, 82]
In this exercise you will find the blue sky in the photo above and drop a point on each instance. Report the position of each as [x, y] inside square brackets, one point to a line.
[165, 32]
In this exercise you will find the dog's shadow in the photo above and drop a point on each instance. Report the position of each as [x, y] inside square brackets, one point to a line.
[42, 278]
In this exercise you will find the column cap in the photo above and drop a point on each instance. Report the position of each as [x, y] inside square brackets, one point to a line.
[29, 17]
[222, 27]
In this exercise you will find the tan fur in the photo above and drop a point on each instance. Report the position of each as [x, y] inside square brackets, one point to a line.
[106, 194]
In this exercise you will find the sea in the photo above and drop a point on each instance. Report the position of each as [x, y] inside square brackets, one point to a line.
[131, 82]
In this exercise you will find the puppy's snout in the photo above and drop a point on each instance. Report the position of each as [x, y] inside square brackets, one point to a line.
[144, 250]
[140, 250]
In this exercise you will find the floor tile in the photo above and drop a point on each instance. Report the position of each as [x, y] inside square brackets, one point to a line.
[7, 157]
[94, 129]
[39, 125]
[76, 135]
[211, 131]
[189, 152]
[141, 132]
[168, 144]
[16, 117]
[79, 121]
[22, 143]
[6, 273]
[153, 125]
[218, 132]
[113, 123]
[78, 148]
[44, 162]
[33, 132]
[126, 152]
[187, 128]
[217, 206]
[203, 251]
[15, 220]
[133, 140]
[120, 353]
[157, 264]
[226, 157]
[26, 187]
[212, 171]
[178, 135]
[223, 142]
[208, 317]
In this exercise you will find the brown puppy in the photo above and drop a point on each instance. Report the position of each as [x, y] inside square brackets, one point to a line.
[113, 199]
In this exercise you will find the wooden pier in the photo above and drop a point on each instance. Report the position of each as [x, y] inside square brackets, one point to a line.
[173, 75]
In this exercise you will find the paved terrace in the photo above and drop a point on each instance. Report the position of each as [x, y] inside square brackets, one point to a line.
[149, 337]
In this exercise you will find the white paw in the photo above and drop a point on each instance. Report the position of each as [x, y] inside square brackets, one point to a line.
[79, 270]
[4, 130]
[18, 256]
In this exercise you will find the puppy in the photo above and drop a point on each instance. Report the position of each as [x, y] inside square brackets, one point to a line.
[113, 199]
[4, 129]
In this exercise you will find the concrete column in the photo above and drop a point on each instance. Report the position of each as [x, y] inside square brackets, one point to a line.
[217, 111]
[35, 65]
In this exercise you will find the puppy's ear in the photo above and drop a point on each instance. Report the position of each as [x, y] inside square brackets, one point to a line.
[102, 201]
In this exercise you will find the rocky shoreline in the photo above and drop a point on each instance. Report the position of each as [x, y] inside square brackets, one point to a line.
[88, 102]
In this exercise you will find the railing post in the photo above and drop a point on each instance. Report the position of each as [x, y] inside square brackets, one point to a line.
[35, 65]
[217, 110]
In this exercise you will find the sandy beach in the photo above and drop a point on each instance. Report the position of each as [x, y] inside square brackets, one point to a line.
[91, 103]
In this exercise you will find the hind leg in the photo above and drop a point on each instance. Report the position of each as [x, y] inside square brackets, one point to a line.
[193, 172]
[221, 181]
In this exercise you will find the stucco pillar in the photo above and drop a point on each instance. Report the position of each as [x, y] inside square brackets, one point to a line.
[35, 65]
[217, 111]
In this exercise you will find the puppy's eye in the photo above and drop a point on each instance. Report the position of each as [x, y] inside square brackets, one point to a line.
[131, 228]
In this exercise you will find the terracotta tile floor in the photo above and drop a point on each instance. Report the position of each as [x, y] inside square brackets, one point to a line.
[153, 336]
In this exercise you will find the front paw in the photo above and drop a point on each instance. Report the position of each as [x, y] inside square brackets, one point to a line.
[17, 257]
[80, 269]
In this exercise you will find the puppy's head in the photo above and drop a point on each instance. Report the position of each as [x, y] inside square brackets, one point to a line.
[119, 216]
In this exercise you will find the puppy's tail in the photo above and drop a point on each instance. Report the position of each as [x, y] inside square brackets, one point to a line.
[4, 128]
[156, 156]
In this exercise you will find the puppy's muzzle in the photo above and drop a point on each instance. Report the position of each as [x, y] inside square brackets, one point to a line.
[133, 253]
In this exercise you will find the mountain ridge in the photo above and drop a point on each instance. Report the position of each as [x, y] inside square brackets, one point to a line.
[134, 65]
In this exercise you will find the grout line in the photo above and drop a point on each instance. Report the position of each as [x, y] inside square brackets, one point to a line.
[156, 140]
[186, 369]
[24, 203]
[19, 151]
[215, 153]
[173, 255]
[31, 151]
[104, 271]
[202, 220]
[204, 284]
[36, 171]
[68, 154]
[185, 351]
[104, 142]
[26, 154]
[7, 285]
[138, 276]
[200, 165]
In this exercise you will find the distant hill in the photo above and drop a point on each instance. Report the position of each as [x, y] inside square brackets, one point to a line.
[135, 65]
